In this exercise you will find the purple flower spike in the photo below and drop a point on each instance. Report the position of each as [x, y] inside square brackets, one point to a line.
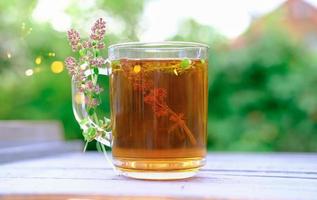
[91, 102]
[74, 39]
[98, 30]
[99, 62]
[89, 59]
[98, 89]
[90, 85]
[74, 69]
[87, 44]
[71, 65]
[101, 45]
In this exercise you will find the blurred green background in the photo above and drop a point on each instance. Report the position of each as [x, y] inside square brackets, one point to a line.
[262, 84]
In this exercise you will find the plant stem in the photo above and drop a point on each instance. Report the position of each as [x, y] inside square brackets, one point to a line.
[181, 123]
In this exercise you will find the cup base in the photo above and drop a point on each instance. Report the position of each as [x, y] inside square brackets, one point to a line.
[159, 169]
[160, 175]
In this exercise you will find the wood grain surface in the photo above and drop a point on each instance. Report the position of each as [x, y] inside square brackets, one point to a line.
[226, 176]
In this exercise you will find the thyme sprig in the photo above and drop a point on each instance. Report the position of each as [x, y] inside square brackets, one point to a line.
[89, 60]
[155, 97]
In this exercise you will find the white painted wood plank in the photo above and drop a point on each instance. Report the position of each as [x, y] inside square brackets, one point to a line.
[215, 161]
[108, 174]
[236, 176]
[217, 187]
[265, 162]
[94, 161]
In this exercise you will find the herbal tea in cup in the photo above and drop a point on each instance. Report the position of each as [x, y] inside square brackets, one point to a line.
[158, 101]
[159, 110]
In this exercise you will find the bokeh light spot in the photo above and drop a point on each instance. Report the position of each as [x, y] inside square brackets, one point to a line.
[38, 60]
[9, 55]
[51, 54]
[29, 72]
[57, 67]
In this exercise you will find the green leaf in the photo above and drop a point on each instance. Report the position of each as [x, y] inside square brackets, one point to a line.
[95, 95]
[97, 53]
[185, 63]
[89, 134]
[83, 121]
[82, 52]
[96, 70]
[90, 77]
[91, 111]
[202, 61]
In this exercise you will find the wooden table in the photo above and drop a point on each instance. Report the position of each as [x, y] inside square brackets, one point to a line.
[226, 176]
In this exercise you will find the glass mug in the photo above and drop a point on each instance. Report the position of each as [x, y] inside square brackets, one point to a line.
[158, 101]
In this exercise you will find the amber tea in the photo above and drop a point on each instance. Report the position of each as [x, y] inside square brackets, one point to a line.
[159, 113]
[158, 100]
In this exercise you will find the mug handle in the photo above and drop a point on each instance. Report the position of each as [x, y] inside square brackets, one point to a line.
[86, 121]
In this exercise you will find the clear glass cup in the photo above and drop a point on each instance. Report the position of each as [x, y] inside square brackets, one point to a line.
[159, 98]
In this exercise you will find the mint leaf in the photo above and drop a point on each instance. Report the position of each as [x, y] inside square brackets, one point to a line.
[185, 63]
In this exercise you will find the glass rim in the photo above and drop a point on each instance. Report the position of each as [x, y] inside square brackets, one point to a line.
[158, 45]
